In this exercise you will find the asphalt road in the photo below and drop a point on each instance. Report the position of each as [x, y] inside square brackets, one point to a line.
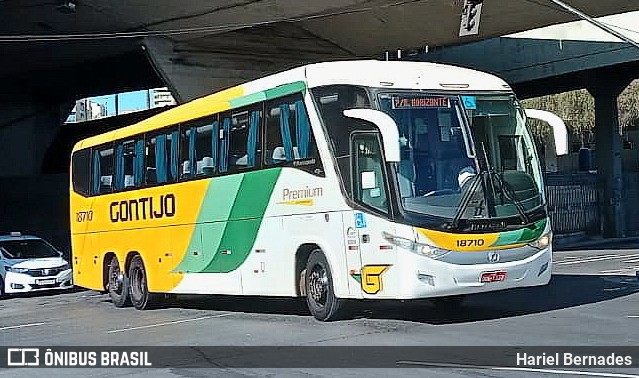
[593, 299]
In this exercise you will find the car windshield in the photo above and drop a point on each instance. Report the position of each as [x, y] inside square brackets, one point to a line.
[444, 172]
[27, 249]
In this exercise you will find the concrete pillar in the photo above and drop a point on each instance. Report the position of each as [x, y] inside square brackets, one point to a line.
[26, 132]
[608, 154]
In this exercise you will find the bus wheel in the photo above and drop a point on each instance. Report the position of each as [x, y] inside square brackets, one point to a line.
[140, 296]
[1, 288]
[118, 285]
[320, 297]
[448, 303]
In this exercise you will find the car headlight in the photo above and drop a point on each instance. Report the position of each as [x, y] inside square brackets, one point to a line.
[66, 266]
[418, 248]
[543, 241]
[15, 270]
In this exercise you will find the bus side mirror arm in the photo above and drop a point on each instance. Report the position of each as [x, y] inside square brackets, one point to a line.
[387, 127]
[558, 126]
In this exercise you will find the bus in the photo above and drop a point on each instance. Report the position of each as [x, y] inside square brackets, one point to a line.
[334, 181]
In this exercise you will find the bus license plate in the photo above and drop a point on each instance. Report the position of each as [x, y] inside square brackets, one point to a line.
[493, 277]
[50, 281]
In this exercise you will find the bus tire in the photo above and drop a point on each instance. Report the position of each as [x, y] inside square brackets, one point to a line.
[118, 284]
[2, 293]
[320, 296]
[141, 298]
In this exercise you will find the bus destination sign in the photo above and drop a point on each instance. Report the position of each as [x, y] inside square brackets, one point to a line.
[421, 102]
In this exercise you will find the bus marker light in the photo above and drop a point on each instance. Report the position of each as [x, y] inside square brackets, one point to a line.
[489, 277]
[353, 248]
[426, 278]
[385, 247]
[542, 269]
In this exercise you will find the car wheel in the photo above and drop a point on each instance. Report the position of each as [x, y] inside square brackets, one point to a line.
[141, 298]
[320, 296]
[118, 284]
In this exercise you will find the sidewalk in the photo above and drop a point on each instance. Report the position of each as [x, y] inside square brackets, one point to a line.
[581, 240]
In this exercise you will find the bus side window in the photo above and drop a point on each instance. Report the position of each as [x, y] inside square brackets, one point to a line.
[81, 167]
[239, 140]
[129, 164]
[289, 138]
[162, 157]
[198, 152]
[102, 170]
[187, 151]
[369, 185]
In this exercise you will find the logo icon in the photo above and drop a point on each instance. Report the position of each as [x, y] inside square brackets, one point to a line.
[23, 357]
[372, 278]
[493, 257]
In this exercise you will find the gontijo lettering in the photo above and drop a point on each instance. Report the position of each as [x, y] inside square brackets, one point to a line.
[142, 208]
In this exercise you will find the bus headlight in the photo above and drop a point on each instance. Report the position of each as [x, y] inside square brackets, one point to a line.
[418, 248]
[543, 242]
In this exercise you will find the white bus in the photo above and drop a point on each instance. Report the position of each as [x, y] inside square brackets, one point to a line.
[334, 181]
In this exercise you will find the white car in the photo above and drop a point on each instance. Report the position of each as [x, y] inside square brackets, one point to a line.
[28, 263]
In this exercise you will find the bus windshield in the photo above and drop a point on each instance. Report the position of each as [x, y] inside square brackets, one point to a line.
[464, 158]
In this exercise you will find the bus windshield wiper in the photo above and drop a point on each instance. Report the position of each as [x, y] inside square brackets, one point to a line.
[506, 190]
[487, 176]
[465, 199]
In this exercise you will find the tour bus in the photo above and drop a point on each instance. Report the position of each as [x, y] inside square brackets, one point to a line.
[334, 181]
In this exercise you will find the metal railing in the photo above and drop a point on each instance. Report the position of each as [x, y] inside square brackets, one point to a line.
[573, 203]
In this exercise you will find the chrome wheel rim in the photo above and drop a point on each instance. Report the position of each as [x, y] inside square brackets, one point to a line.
[115, 279]
[318, 285]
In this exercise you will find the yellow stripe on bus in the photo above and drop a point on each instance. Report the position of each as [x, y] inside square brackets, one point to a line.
[198, 108]
[462, 242]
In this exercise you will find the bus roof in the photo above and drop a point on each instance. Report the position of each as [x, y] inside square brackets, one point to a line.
[368, 73]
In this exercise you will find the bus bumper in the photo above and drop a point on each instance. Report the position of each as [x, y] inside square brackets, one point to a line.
[422, 277]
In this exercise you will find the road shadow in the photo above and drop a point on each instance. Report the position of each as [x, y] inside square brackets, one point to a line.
[563, 291]
[599, 245]
[43, 293]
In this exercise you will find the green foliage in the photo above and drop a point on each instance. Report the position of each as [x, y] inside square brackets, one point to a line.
[577, 109]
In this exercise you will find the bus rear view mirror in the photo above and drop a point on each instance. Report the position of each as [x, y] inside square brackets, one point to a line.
[559, 131]
[387, 127]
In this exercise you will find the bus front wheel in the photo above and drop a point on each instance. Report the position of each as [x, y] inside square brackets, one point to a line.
[118, 285]
[320, 297]
[141, 298]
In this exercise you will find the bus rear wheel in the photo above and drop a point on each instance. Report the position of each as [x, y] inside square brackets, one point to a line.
[320, 296]
[141, 298]
[118, 284]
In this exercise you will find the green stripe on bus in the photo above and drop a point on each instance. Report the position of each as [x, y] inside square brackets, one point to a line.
[245, 219]
[247, 100]
[285, 89]
[525, 235]
[508, 238]
[215, 211]
[532, 234]
[269, 94]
